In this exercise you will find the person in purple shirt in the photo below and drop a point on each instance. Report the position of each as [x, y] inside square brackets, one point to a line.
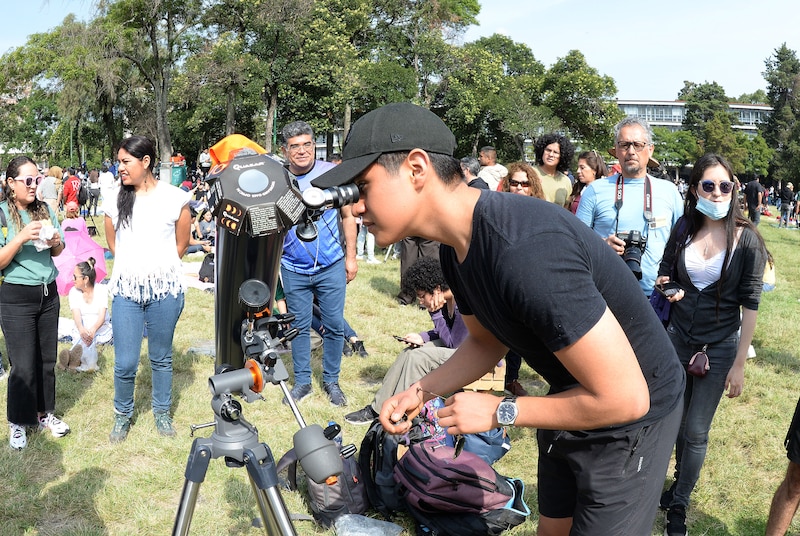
[425, 350]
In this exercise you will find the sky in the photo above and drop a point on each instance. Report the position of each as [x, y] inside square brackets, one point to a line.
[648, 47]
[651, 47]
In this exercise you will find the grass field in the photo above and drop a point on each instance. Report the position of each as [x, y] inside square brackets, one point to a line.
[83, 485]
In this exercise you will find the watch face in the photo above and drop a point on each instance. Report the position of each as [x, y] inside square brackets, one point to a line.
[506, 412]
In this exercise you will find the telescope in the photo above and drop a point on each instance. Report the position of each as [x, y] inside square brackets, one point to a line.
[256, 201]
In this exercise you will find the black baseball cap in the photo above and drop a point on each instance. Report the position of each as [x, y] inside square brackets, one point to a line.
[393, 128]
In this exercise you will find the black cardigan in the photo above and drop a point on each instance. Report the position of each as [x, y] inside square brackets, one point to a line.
[695, 316]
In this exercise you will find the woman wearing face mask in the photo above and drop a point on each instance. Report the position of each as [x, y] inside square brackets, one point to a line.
[717, 257]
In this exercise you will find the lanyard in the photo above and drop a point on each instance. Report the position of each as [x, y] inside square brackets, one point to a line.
[648, 203]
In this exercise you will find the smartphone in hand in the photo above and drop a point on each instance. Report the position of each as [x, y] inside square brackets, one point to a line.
[668, 289]
[405, 341]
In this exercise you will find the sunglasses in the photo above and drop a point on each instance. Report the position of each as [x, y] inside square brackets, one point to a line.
[512, 183]
[725, 187]
[30, 180]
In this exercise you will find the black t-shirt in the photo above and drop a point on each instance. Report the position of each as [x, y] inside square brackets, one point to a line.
[751, 191]
[539, 279]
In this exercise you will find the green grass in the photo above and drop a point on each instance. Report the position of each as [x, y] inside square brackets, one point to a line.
[83, 485]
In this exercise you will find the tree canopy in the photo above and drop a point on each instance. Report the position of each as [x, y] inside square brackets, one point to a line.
[188, 72]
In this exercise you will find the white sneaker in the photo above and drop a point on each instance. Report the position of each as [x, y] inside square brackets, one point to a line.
[17, 437]
[373, 261]
[56, 426]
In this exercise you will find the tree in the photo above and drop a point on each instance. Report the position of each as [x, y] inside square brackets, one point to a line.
[583, 99]
[491, 95]
[703, 102]
[153, 36]
[782, 129]
[757, 97]
[418, 35]
[675, 150]
[758, 156]
[67, 66]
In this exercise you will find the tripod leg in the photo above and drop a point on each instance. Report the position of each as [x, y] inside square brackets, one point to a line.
[264, 480]
[196, 467]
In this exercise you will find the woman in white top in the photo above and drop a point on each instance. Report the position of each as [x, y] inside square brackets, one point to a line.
[89, 305]
[147, 225]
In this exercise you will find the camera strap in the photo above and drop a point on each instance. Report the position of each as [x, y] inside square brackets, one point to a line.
[648, 203]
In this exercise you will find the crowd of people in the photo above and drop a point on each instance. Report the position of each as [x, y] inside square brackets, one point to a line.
[623, 394]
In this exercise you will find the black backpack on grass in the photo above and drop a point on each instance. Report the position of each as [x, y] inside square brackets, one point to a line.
[206, 273]
[377, 457]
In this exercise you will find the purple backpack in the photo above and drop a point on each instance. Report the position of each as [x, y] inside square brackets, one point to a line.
[459, 496]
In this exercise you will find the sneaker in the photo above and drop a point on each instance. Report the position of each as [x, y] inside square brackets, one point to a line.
[358, 347]
[335, 394]
[122, 425]
[666, 497]
[56, 426]
[676, 522]
[347, 349]
[359, 257]
[373, 261]
[516, 388]
[299, 392]
[17, 438]
[363, 416]
[164, 424]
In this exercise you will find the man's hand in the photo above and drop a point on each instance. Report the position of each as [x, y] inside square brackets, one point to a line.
[616, 243]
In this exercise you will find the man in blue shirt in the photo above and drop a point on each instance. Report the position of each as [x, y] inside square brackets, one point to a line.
[633, 200]
[320, 268]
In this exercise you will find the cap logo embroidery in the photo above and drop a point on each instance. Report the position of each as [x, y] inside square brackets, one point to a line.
[396, 137]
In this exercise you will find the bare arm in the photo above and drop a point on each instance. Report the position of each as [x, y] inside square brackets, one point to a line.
[111, 234]
[350, 235]
[183, 230]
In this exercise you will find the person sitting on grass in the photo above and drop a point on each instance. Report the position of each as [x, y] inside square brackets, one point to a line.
[426, 350]
[89, 305]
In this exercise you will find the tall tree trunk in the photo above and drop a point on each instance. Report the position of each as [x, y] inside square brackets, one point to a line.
[348, 118]
[271, 95]
[230, 109]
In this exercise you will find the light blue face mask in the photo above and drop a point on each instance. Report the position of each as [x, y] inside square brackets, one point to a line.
[715, 211]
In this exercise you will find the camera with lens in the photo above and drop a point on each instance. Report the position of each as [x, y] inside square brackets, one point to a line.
[635, 245]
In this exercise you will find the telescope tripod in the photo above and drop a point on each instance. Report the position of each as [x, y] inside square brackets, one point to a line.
[237, 441]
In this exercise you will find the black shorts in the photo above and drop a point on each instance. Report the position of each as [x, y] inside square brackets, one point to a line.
[792, 441]
[607, 482]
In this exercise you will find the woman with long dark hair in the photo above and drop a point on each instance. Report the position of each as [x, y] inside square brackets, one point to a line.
[30, 303]
[591, 166]
[89, 305]
[717, 258]
[147, 225]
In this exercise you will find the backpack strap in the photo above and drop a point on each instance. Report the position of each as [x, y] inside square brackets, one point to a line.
[368, 461]
[3, 220]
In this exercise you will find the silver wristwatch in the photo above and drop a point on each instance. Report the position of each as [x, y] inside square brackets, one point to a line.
[507, 411]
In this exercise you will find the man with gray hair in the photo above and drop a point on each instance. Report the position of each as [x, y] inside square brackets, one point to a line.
[320, 268]
[471, 167]
[633, 211]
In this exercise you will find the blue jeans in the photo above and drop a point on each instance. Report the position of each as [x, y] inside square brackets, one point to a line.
[700, 402]
[131, 318]
[316, 325]
[328, 285]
